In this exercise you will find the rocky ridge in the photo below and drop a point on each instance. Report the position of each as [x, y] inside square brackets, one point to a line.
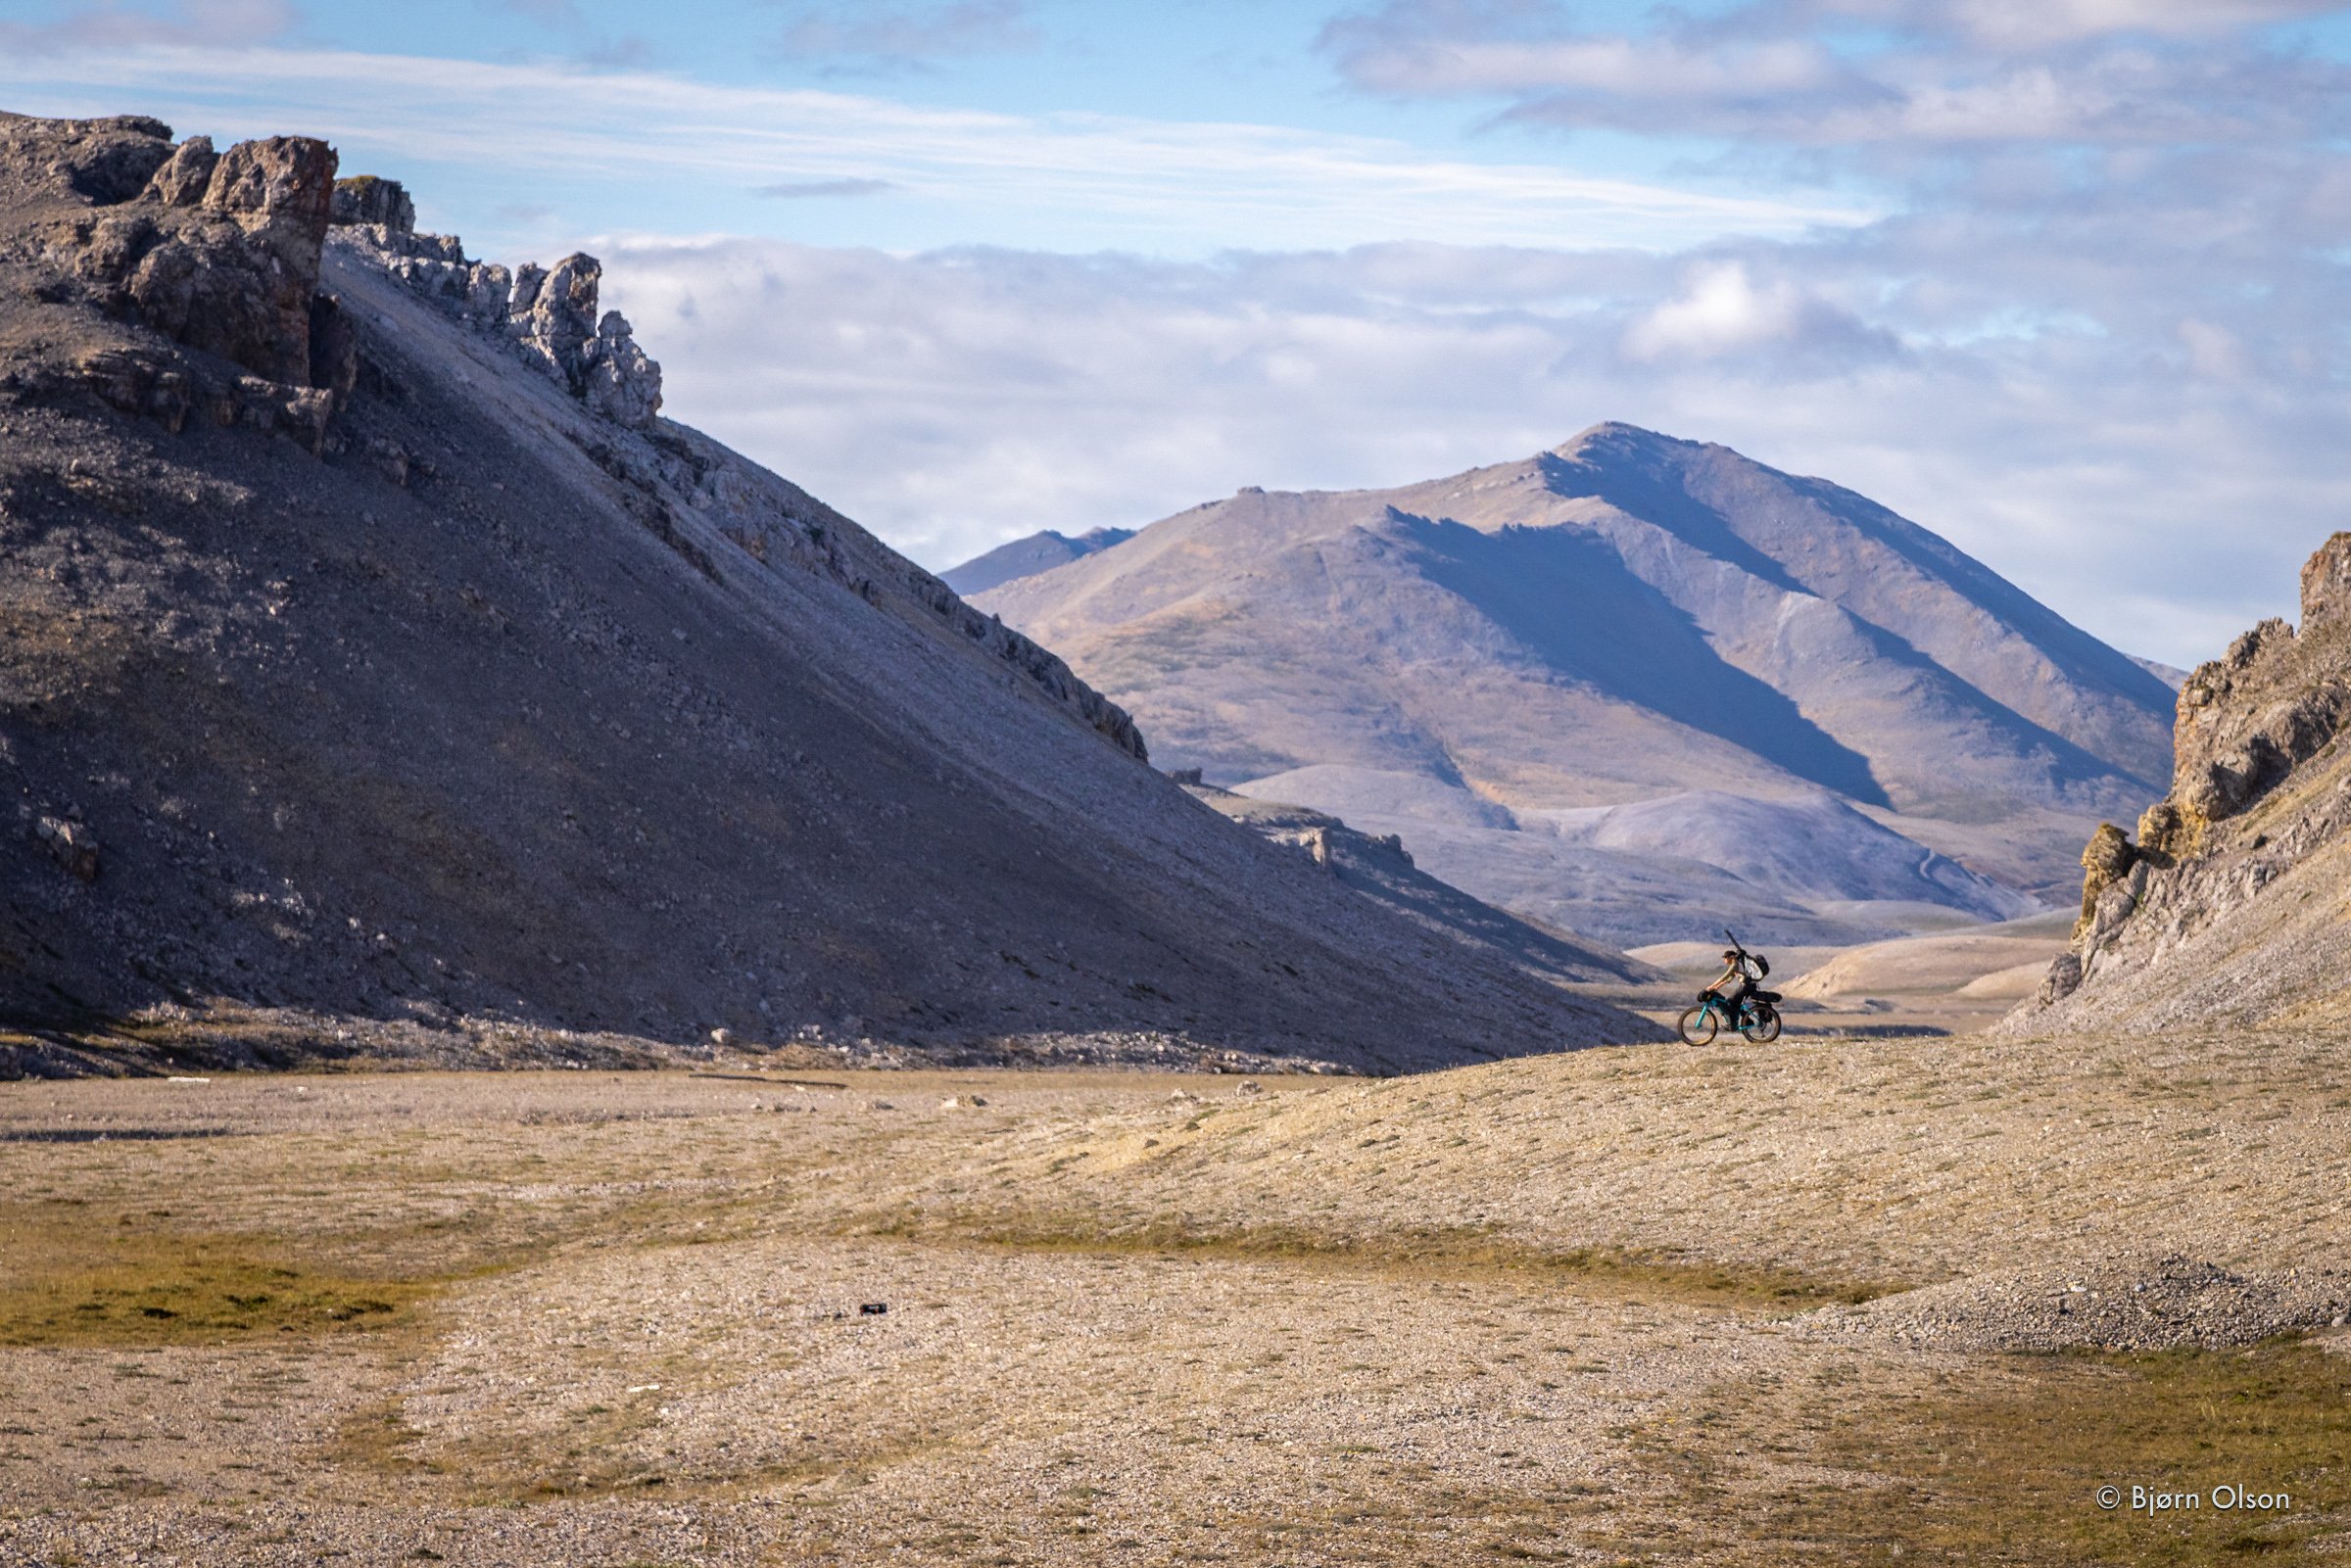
[2230, 907]
[549, 313]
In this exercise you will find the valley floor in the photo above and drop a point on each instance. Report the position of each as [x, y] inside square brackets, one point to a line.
[1883, 1300]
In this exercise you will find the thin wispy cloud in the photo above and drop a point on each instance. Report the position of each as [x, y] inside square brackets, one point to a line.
[881, 39]
[1846, 73]
[1154, 185]
[793, 190]
[83, 24]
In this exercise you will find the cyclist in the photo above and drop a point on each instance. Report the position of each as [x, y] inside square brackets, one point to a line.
[1735, 966]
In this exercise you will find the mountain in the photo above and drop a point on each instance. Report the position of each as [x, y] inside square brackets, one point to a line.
[379, 667]
[1474, 660]
[2233, 907]
[1041, 551]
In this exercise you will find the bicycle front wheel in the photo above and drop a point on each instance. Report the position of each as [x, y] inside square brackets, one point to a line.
[1699, 1026]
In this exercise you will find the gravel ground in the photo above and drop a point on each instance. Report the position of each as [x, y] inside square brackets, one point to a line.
[1579, 1308]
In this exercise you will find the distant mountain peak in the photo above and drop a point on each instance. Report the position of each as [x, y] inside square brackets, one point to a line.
[1028, 555]
[1628, 616]
[1616, 434]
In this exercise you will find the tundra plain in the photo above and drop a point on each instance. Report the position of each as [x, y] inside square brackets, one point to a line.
[1836, 1301]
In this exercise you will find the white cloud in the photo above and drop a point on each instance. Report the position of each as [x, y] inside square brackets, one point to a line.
[805, 189]
[2013, 23]
[1658, 69]
[1720, 310]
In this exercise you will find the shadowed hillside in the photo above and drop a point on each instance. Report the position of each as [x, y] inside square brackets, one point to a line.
[376, 656]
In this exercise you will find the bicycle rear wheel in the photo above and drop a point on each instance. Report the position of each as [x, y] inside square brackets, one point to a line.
[1764, 1026]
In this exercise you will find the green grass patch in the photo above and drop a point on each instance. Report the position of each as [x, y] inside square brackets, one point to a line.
[2004, 1466]
[71, 1278]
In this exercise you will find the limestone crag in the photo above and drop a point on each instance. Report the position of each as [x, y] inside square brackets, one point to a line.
[218, 253]
[550, 314]
[370, 199]
[235, 271]
[2231, 906]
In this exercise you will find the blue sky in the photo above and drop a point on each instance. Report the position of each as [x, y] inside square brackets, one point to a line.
[2062, 279]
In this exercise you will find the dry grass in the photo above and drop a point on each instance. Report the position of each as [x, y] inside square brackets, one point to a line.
[79, 1276]
[1436, 1252]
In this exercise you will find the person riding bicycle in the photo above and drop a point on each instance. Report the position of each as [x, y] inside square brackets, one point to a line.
[1737, 999]
[1735, 966]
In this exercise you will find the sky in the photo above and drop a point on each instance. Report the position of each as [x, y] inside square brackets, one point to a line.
[2063, 280]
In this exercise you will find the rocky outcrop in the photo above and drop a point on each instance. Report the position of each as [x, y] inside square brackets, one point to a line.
[2248, 719]
[551, 316]
[99, 161]
[436, 266]
[221, 252]
[217, 251]
[2230, 904]
[554, 318]
[371, 198]
[2105, 860]
[182, 179]
[249, 301]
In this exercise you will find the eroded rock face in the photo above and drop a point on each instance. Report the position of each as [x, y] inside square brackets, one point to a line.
[371, 198]
[618, 379]
[436, 266]
[186, 174]
[2261, 793]
[100, 160]
[554, 318]
[2278, 697]
[219, 252]
[2105, 860]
